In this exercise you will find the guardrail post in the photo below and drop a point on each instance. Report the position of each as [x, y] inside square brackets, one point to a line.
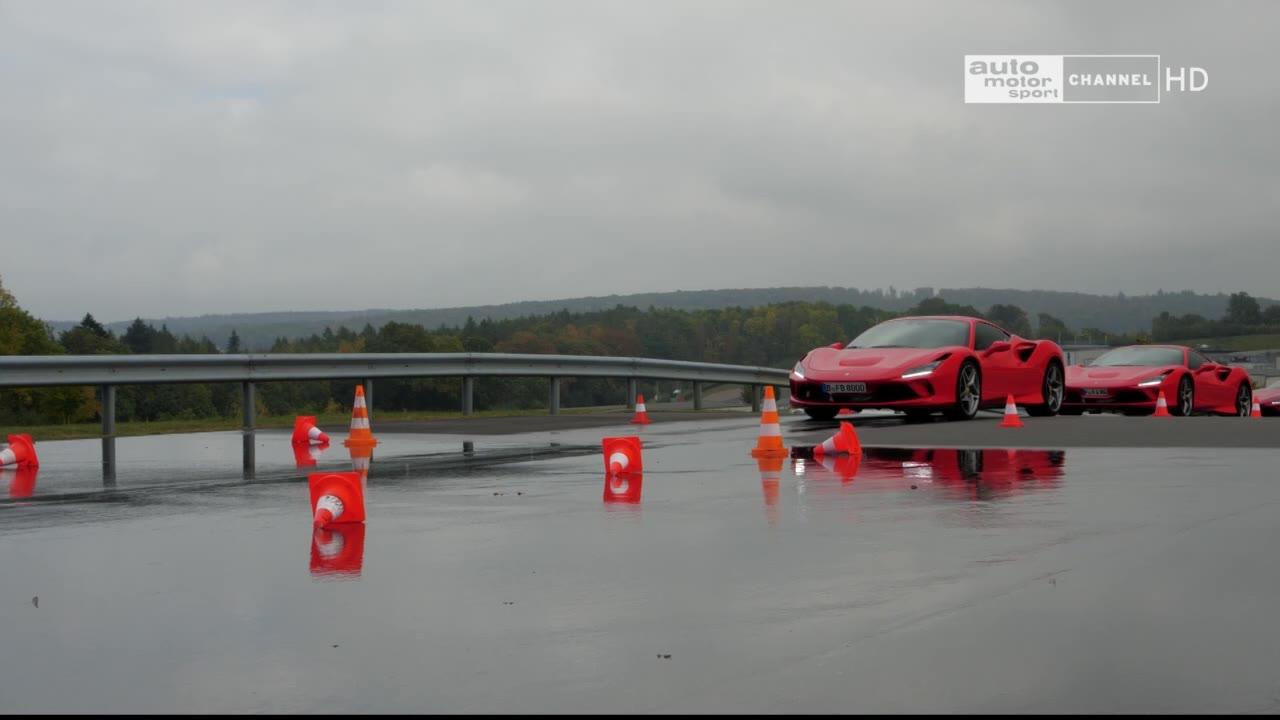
[108, 433]
[631, 393]
[468, 395]
[248, 406]
[756, 392]
[368, 397]
[697, 396]
[555, 396]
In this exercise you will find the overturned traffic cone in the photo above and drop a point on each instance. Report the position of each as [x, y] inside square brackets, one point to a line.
[769, 444]
[360, 435]
[1162, 406]
[844, 467]
[642, 415]
[844, 442]
[305, 456]
[305, 431]
[21, 452]
[1011, 419]
[622, 455]
[336, 497]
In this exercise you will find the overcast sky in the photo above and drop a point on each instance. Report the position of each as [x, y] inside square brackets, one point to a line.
[173, 158]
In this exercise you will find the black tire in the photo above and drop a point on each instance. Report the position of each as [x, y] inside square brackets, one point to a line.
[1070, 411]
[1053, 388]
[1244, 400]
[968, 393]
[822, 413]
[1185, 403]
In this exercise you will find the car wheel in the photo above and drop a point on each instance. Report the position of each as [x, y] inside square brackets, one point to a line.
[1244, 400]
[1186, 402]
[1052, 389]
[968, 393]
[822, 413]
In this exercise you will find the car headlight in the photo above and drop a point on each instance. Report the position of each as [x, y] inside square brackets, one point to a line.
[921, 371]
[799, 370]
[1153, 381]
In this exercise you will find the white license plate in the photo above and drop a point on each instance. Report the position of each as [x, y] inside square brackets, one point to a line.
[845, 388]
[1095, 393]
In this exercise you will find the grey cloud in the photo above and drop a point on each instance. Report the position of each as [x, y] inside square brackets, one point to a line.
[165, 158]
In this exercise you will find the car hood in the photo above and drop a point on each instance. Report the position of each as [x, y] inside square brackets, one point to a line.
[1266, 394]
[1119, 375]
[872, 360]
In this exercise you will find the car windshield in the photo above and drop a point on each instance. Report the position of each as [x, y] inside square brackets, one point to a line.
[914, 334]
[1140, 356]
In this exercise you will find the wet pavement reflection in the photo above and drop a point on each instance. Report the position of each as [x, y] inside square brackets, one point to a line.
[507, 574]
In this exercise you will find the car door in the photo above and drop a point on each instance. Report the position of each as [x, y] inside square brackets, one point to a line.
[1211, 391]
[999, 367]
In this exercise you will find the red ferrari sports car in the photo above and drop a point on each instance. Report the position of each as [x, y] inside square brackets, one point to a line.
[1129, 379]
[1268, 400]
[922, 364]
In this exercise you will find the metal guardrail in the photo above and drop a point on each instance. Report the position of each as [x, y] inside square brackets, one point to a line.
[43, 370]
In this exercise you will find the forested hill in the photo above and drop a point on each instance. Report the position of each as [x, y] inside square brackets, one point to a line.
[1111, 313]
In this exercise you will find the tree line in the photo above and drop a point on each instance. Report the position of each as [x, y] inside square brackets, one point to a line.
[771, 335]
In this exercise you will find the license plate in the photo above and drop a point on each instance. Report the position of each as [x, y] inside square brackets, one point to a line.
[845, 388]
[1095, 393]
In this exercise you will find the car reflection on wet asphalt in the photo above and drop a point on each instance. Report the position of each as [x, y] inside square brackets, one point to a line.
[516, 576]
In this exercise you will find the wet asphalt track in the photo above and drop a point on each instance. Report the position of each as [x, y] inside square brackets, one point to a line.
[1062, 578]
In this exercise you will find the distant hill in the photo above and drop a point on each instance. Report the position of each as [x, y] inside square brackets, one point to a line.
[1110, 313]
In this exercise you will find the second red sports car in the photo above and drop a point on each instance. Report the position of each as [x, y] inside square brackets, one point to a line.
[1129, 379]
[1268, 400]
[921, 364]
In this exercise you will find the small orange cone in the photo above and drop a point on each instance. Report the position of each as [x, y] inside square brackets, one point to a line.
[360, 435]
[642, 415]
[844, 442]
[1162, 407]
[21, 452]
[1011, 419]
[1257, 410]
[769, 444]
[305, 431]
[336, 497]
[305, 456]
[622, 455]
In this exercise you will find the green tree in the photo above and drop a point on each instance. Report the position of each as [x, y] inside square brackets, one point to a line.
[1011, 318]
[233, 343]
[1243, 309]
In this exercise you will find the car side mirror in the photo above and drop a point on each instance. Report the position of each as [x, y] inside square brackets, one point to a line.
[836, 346]
[998, 346]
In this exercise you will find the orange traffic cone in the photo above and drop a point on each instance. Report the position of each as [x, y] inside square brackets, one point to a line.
[843, 442]
[305, 431]
[1011, 419]
[360, 435]
[336, 497]
[305, 456]
[769, 443]
[843, 466]
[21, 452]
[622, 455]
[1162, 407]
[642, 415]
[361, 457]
